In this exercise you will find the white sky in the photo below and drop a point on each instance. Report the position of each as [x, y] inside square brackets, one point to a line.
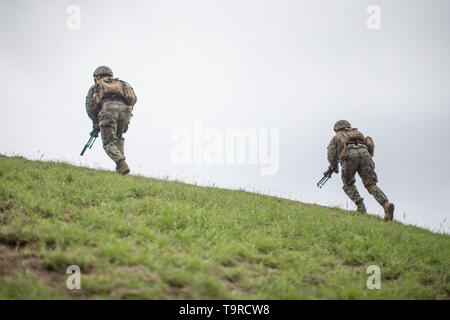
[296, 66]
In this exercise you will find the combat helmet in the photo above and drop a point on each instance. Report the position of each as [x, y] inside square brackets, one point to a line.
[103, 70]
[341, 124]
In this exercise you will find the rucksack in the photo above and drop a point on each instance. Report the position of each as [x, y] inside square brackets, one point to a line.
[346, 137]
[113, 88]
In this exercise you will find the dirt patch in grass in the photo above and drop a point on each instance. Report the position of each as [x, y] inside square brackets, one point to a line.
[11, 238]
[13, 260]
[6, 205]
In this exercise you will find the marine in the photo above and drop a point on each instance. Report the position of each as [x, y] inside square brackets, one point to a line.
[109, 104]
[355, 151]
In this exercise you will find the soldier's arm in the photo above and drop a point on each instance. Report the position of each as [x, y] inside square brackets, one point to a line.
[368, 142]
[129, 93]
[370, 145]
[332, 154]
[91, 107]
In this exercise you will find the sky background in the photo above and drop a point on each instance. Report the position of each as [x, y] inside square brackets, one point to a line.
[295, 66]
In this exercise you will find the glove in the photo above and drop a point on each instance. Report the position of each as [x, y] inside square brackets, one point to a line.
[331, 169]
[95, 130]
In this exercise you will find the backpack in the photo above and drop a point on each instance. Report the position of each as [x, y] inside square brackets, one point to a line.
[346, 137]
[110, 88]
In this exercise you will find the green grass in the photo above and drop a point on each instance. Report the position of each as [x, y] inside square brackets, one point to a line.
[140, 238]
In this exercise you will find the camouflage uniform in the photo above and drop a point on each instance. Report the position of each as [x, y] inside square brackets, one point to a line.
[112, 117]
[356, 158]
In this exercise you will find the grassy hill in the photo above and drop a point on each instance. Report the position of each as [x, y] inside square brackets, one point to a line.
[135, 237]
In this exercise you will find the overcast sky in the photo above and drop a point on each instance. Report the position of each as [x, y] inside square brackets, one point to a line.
[293, 66]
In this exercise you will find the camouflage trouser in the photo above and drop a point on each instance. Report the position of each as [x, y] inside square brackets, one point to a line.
[114, 119]
[359, 160]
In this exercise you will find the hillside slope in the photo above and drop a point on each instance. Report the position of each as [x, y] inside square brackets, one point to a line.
[136, 237]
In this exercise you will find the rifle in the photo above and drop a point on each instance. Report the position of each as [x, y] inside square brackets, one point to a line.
[90, 143]
[326, 176]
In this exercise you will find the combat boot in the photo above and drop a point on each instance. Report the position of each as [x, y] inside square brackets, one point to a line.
[361, 207]
[388, 211]
[123, 168]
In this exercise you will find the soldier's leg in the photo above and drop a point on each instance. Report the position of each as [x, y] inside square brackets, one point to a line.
[120, 144]
[108, 127]
[369, 178]
[348, 169]
[122, 126]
